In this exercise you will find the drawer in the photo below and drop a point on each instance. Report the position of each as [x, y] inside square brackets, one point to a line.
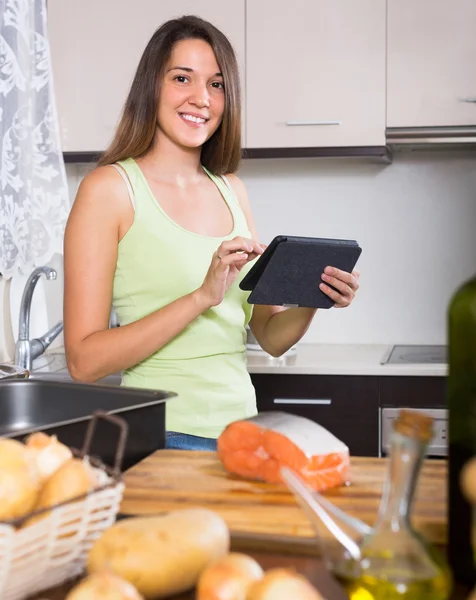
[345, 405]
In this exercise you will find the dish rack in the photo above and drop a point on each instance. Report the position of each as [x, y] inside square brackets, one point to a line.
[54, 549]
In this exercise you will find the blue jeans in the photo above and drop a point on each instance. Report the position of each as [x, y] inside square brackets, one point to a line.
[184, 441]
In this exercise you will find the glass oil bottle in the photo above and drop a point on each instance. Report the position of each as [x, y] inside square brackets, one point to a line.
[395, 562]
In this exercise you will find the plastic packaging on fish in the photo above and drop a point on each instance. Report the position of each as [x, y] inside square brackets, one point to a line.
[257, 448]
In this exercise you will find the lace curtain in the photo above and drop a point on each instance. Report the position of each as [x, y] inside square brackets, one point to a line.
[34, 202]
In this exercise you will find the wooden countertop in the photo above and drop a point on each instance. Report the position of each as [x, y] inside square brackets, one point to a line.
[265, 521]
[169, 479]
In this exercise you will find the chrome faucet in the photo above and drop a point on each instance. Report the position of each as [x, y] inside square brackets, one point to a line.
[27, 350]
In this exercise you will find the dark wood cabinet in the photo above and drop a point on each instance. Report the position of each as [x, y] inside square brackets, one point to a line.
[412, 392]
[348, 405]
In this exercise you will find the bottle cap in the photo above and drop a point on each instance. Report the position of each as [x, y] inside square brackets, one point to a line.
[414, 424]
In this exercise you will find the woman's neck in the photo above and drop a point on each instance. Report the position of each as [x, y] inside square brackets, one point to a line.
[170, 163]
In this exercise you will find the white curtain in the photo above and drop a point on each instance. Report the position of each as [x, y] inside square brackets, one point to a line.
[34, 202]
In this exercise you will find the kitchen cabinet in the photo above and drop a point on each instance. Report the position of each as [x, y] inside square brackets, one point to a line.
[95, 50]
[412, 392]
[346, 406]
[315, 73]
[431, 63]
[350, 406]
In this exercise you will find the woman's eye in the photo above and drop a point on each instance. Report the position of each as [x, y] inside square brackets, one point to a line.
[181, 78]
[218, 85]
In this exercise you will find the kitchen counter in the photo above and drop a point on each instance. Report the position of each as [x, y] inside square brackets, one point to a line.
[339, 359]
[309, 359]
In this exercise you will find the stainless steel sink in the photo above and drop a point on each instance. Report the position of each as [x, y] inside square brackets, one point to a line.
[59, 408]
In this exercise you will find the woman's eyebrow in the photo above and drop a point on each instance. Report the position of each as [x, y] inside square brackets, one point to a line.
[190, 70]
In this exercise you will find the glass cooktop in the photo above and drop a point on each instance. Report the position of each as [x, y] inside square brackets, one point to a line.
[414, 354]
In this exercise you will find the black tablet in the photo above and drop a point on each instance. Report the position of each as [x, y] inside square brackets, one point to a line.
[288, 273]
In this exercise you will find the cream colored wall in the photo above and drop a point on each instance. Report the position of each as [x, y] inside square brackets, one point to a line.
[414, 219]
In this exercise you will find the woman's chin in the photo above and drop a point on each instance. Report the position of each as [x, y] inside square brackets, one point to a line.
[189, 141]
[192, 143]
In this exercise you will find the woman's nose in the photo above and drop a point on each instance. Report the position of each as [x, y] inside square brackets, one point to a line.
[201, 97]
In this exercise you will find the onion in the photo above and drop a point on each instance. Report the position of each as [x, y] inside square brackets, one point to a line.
[50, 454]
[228, 578]
[104, 586]
[283, 584]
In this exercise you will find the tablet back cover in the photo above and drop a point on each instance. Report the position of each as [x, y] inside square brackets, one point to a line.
[293, 273]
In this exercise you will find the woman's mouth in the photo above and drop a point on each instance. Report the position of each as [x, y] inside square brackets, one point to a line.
[193, 120]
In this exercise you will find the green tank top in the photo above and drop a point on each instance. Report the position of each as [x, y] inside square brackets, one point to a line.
[159, 261]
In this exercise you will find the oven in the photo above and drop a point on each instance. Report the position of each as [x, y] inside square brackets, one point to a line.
[437, 447]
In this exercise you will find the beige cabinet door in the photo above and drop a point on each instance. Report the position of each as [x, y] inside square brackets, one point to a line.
[315, 73]
[431, 78]
[96, 46]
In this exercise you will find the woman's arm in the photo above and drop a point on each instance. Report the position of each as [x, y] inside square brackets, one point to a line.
[277, 329]
[101, 215]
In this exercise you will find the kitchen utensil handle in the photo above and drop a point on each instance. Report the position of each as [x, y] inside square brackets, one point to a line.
[121, 443]
[311, 123]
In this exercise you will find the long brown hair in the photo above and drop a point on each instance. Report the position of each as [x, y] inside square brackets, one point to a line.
[137, 126]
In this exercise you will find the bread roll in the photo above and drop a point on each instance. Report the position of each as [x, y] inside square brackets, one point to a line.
[19, 480]
[75, 478]
[50, 454]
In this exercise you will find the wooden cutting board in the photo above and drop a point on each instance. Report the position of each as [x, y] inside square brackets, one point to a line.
[171, 479]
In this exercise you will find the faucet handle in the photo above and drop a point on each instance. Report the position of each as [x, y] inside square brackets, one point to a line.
[39, 345]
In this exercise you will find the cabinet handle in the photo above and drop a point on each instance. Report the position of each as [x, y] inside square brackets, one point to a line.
[470, 100]
[302, 401]
[298, 123]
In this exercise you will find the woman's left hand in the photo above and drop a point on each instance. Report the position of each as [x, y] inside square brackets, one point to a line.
[347, 285]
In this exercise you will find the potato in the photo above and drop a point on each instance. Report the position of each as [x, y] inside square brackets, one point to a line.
[19, 480]
[104, 586]
[74, 478]
[283, 584]
[228, 578]
[163, 555]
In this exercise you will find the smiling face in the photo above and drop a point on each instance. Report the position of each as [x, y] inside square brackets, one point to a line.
[192, 98]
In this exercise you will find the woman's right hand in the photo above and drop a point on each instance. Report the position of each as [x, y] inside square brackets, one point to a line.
[230, 257]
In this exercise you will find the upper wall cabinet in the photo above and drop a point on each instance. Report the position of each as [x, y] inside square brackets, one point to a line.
[431, 78]
[96, 47]
[315, 73]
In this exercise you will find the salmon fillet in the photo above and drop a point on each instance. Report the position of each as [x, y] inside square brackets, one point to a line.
[257, 448]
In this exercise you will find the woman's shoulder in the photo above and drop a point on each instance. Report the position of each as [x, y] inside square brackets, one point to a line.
[103, 179]
[238, 188]
[103, 190]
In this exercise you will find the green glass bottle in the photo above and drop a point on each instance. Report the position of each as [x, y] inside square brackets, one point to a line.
[461, 392]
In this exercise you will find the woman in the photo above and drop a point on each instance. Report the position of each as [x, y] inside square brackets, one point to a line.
[162, 228]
